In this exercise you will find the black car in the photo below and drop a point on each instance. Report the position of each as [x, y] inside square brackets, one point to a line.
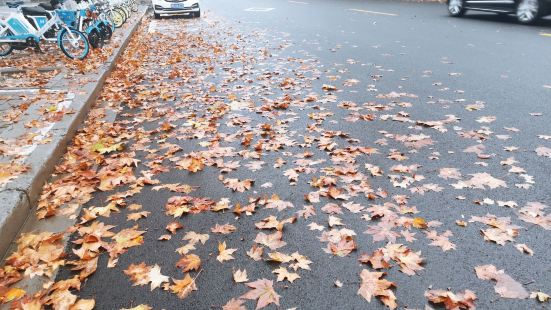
[526, 11]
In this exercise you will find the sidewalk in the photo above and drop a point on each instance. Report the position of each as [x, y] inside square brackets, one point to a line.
[43, 100]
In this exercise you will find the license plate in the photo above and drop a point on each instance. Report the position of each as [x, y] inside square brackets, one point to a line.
[177, 5]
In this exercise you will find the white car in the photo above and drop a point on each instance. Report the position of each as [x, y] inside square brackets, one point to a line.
[176, 7]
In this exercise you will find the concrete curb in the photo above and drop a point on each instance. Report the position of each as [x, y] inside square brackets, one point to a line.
[18, 197]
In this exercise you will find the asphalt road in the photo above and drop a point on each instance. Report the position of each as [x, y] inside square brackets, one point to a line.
[387, 46]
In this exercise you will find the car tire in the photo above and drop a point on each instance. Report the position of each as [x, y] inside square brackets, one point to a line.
[528, 11]
[197, 14]
[156, 15]
[456, 8]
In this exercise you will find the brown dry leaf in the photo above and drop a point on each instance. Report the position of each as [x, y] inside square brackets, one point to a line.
[452, 301]
[192, 164]
[189, 262]
[480, 181]
[523, 248]
[279, 257]
[441, 240]
[373, 286]
[271, 222]
[506, 286]
[283, 273]
[276, 203]
[334, 221]
[223, 253]
[194, 237]
[240, 276]
[183, 287]
[234, 304]
[86, 267]
[84, 304]
[139, 307]
[137, 215]
[138, 273]
[10, 294]
[223, 229]
[165, 237]
[255, 252]
[450, 173]
[419, 223]
[239, 186]
[185, 249]
[272, 241]
[263, 291]
[543, 151]
[173, 227]
[540, 296]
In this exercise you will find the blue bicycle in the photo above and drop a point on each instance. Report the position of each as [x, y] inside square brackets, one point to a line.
[24, 27]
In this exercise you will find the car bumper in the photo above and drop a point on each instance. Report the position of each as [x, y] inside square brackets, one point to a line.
[166, 8]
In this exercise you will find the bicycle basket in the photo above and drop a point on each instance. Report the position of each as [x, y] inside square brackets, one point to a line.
[68, 17]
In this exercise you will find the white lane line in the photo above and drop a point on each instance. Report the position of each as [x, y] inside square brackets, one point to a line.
[259, 9]
[298, 2]
[373, 12]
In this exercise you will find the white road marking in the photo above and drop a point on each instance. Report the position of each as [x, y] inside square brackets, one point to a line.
[259, 9]
[29, 90]
[373, 12]
[545, 34]
[298, 2]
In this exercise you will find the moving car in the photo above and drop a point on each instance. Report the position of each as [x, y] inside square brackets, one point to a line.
[176, 7]
[526, 11]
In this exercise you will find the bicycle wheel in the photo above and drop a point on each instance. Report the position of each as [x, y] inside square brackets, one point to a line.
[5, 47]
[105, 30]
[126, 10]
[94, 38]
[122, 12]
[73, 43]
[116, 17]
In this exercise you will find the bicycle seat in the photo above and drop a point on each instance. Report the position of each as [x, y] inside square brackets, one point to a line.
[34, 11]
[13, 4]
[46, 6]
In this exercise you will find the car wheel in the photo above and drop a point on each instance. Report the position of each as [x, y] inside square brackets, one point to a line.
[197, 14]
[156, 16]
[456, 8]
[528, 11]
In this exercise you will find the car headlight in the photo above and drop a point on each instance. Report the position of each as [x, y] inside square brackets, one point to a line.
[195, 5]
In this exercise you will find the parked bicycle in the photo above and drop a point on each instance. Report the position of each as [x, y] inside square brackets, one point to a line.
[24, 27]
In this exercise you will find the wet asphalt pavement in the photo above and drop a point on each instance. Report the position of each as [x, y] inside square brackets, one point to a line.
[447, 63]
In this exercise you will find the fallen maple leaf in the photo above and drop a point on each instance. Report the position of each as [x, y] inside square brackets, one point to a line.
[240, 276]
[183, 287]
[506, 286]
[283, 273]
[223, 229]
[156, 278]
[372, 285]
[543, 151]
[272, 241]
[540, 296]
[234, 304]
[189, 262]
[452, 301]
[223, 253]
[263, 291]
[173, 227]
